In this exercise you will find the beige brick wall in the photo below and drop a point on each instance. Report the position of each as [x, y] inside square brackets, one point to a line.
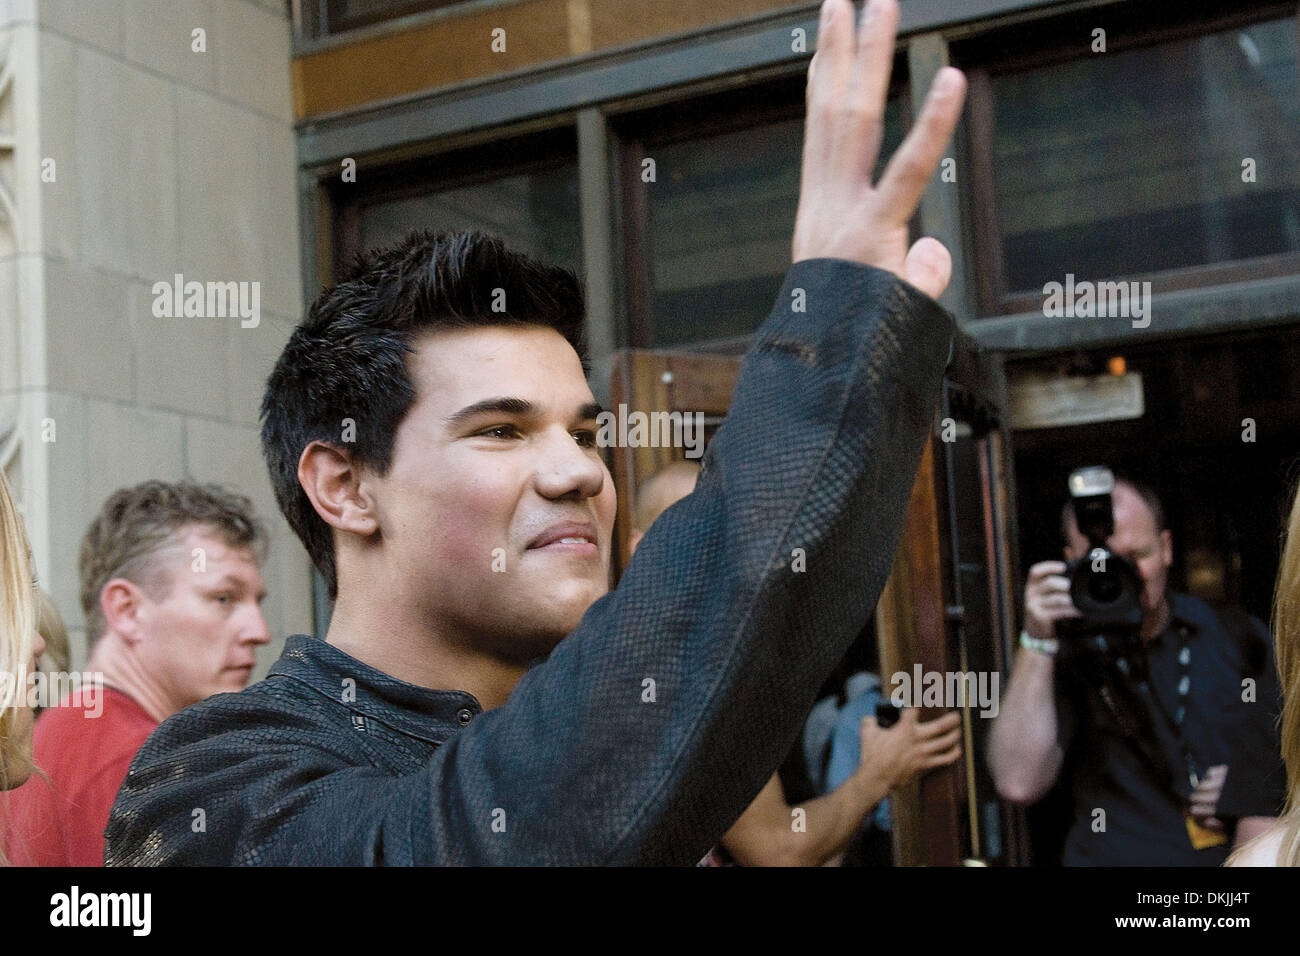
[167, 161]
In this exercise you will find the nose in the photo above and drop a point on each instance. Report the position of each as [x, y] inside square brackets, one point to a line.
[569, 470]
[38, 646]
[257, 632]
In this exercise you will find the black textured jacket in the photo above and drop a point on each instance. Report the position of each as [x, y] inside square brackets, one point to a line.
[827, 424]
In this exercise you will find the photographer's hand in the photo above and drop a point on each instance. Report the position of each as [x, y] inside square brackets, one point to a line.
[1204, 801]
[1047, 599]
[900, 754]
[841, 214]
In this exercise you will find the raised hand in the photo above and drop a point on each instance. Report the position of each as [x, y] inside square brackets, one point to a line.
[842, 214]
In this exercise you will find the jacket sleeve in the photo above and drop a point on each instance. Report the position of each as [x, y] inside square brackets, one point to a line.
[649, 728]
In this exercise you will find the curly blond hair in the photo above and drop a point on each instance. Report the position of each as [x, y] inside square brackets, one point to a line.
[18, 614]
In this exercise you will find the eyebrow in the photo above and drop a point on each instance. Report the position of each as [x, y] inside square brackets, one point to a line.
[230, 581]
[507, 405]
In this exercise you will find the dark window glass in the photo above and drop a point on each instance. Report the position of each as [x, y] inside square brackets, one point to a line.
[1141, 161]
[535, 212]
[341, 15]
[720, 216]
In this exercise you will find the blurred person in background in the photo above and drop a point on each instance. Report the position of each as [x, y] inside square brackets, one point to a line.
[771, 832]
[1173, 768]
[172, 589]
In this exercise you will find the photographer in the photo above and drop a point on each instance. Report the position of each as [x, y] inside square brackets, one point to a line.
[1163, 731]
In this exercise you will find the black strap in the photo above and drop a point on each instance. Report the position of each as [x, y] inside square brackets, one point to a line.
[1131, 715]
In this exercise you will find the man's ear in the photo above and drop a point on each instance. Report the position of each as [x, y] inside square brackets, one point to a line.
[119, 602]
[1167, 547]
[333, 485]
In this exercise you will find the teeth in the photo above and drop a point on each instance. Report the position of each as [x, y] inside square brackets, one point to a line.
[573, 540]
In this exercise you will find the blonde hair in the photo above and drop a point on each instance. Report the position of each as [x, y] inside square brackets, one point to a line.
[18, 614]
[55, 634]
[1286, 635]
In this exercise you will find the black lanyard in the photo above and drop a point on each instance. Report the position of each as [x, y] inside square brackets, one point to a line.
[1182, 693]
[1130, 724]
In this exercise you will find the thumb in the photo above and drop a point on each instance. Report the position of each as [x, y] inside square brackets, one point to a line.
[928, 266]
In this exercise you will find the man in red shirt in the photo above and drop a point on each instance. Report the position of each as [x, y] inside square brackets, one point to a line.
[172, 592]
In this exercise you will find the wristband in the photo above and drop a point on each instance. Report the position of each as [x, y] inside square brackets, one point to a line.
[1049, 646]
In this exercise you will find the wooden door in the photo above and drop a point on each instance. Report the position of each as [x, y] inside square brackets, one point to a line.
[948, 603]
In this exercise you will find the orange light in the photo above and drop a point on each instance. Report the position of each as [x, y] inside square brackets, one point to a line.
[1116, 365]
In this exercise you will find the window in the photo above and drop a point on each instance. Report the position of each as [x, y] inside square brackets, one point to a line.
[709, 223]
[323, 18]
[533, 207]
[1178, 161]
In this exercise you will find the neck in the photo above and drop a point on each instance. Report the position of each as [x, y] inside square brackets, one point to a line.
[112, 657]
[403, 644]
[1154, 624]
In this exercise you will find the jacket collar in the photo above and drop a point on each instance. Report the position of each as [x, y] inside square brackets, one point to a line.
[432, 715]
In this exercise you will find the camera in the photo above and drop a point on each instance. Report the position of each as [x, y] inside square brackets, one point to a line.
[1105, 588]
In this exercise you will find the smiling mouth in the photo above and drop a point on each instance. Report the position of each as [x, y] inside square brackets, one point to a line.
[580, 546]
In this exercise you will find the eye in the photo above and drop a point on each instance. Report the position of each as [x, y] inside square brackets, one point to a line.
[223, 598]
[586, 438]
[500, 431]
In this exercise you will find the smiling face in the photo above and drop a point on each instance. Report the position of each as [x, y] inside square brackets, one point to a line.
[200, 637]
[497, 512]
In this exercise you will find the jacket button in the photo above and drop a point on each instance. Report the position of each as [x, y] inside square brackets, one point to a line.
[463, 715]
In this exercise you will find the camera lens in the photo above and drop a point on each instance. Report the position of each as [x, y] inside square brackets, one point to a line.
[1105, 587]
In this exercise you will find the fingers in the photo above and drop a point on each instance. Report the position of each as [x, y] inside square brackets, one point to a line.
[932, 728]
[866, 729]
[828, 76]
[1047, 599]
[1055, 605]
[939, 744]
[944, 759]
[910, 169]
[928, 266]
[858, 143]
[1046, 569]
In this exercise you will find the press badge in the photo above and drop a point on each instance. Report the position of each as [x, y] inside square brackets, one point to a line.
[1203, 837]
